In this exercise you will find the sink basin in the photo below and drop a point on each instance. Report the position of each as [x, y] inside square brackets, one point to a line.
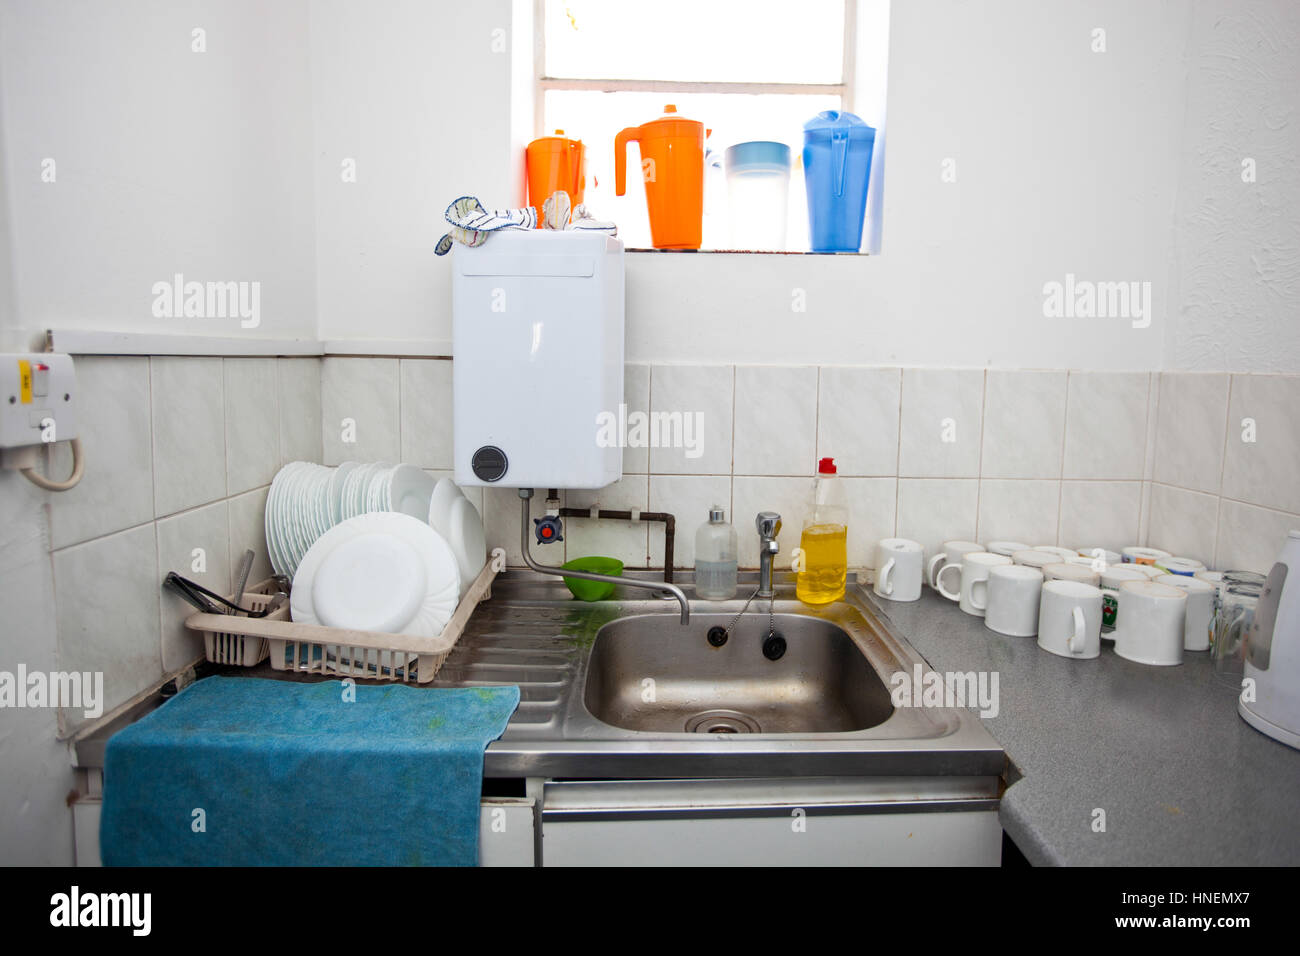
[647, 677]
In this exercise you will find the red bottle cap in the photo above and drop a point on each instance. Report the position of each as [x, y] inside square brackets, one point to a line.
[826, 466]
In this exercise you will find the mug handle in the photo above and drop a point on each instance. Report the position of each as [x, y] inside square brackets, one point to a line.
[934, 566]
[1076, 642]
[938, 582]
[976, 604]
[886, 586]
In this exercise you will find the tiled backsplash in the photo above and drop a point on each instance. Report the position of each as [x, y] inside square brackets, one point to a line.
[1103, 459]
[179, 454]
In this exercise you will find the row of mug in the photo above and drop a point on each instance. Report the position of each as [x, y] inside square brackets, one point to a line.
[1066, 598]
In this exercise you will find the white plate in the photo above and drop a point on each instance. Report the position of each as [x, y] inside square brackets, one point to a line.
[410, 491]
[384, 571]
[465, 535]
[445, 492]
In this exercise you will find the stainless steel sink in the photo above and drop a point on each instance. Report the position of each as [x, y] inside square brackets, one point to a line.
[586, 709]
[643, 677]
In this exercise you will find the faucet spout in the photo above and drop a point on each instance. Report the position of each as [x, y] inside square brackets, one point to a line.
[768, 524]
[662, 587]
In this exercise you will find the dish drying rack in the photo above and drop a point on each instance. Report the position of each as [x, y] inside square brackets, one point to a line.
[316, 649]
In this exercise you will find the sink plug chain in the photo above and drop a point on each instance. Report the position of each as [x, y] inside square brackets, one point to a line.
[773, 645]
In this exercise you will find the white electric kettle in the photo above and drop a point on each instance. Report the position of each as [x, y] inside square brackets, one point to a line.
[1273, 652]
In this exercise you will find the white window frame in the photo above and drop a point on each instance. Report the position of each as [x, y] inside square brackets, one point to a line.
[542, 82]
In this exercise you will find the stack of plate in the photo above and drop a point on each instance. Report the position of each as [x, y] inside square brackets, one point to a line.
[308, 503]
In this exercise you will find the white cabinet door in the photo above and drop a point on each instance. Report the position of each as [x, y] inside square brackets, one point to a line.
[505, 832]
[970, 838]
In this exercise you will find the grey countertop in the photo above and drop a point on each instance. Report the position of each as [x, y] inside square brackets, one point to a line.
[1183, 780]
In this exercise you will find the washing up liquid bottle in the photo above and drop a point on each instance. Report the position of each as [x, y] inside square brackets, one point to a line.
[825, 558]
[716, 558]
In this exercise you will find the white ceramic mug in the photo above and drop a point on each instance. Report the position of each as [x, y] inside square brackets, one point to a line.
[975, 567]
[1200, 609]
[1136, 555]
[898, 569]
[1014, 594]
[1069, 619]
[1186, 567]
[1007, 548]
[1063, 571]
[1062, 554]
[1032, 558]
[1150, 623]
[951, 553]
[1103, 555]
[1111, 580]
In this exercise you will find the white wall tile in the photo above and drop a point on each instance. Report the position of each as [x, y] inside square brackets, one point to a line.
[300, 399]
[1100, 514]
[113, 417]
[607, 537]
[106, 605]
[426, 413]
[247, 521]
[1013, 510]
[791, 498]
[501, 526]
[1024, 424]
[636, 395]
[688, 498]
[873, 507]
[189, 435]
[776, 412]
[1106, 424]
[857, 419]
[685, 390]
[366, 391]
[1183, 522]
[252, 422]
[934, 510]
[204, 528]
[1190, 430]
[933, 402]
[1265, 471]
[1251, 538]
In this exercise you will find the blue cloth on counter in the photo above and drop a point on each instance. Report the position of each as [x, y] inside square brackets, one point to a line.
[292, 774]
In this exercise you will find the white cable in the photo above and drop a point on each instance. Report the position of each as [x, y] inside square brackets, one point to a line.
[78, 468]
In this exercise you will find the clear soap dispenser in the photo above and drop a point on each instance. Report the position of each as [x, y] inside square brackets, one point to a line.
[715, 558]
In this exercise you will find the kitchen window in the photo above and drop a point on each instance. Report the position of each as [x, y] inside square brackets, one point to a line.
[748, 71]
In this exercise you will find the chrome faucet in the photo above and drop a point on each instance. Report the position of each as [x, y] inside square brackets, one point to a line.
[769, 526]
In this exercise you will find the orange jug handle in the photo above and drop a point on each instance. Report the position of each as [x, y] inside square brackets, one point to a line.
[620, 157]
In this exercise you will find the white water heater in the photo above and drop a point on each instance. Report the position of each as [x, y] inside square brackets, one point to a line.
[537, 364]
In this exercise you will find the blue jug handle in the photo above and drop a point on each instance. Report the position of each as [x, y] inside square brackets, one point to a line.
[839, 161]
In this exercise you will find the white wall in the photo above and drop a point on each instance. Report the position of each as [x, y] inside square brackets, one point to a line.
[418, 94]
[1066, 162]
[167, 160]
[1238, 243]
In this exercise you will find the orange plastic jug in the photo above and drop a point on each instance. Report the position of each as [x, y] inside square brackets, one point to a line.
[554, 163]
[672, 165]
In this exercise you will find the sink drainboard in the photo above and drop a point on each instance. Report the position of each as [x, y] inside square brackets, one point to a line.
[722, 722]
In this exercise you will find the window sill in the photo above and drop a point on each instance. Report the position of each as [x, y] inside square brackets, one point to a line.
[743, 252]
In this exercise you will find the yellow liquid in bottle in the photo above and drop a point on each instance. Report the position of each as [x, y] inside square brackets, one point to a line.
[826, 563]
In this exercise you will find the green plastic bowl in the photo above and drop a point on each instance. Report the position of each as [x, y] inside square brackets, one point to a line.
[593, 590]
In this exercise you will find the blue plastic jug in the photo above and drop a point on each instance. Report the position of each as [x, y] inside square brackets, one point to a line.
[837, 166]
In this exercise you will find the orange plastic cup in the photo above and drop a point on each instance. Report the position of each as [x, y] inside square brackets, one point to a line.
[555, 163]
[672, 165]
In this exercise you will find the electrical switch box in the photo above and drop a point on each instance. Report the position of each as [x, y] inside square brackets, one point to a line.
[38, 399]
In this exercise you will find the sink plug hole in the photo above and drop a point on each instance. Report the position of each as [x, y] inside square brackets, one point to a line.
[722, 722]
[717, 636]
[774, 647]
